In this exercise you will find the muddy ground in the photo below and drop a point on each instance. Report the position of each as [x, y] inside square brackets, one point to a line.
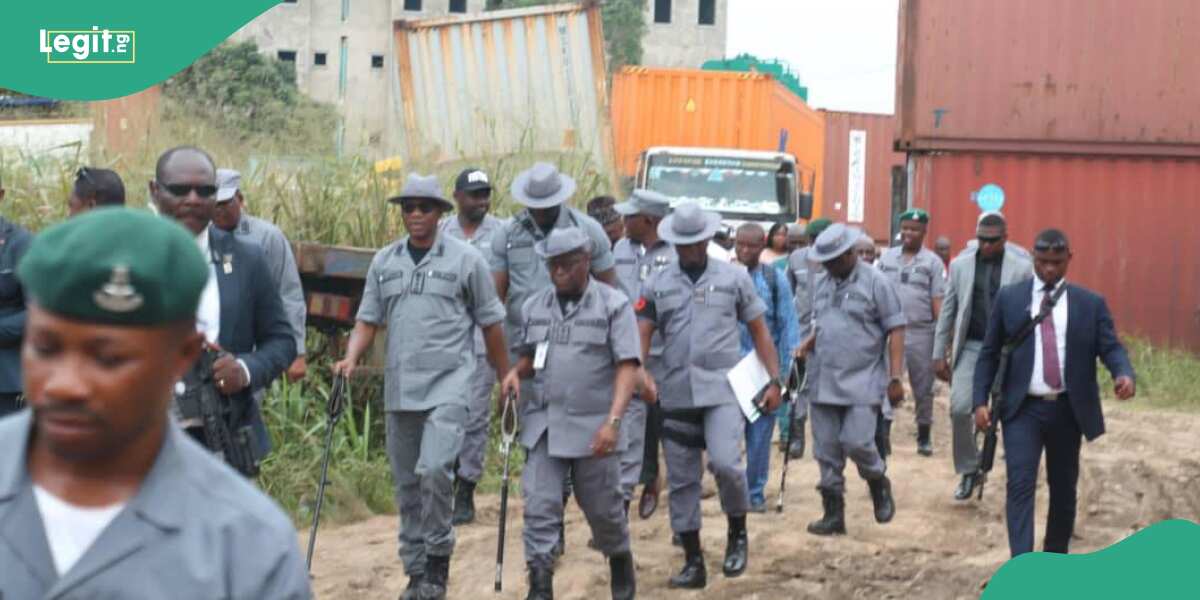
[1145, 470]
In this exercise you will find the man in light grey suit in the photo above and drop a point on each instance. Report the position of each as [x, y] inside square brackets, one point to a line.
[975, 277]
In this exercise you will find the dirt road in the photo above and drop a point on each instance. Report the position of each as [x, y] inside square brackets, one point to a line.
[1145, 470]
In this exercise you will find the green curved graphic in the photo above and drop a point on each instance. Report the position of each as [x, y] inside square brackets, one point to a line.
[1157, 562]
[164, 36]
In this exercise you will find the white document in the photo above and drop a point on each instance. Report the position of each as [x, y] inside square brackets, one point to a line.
[748, 378]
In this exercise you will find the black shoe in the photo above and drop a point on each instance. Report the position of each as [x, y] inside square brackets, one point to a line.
[694, 575]
[924, 443]
[834, 521]
[796, 439]
[413, 591]
[541, 584]
[966, 487]
[737, 548]
[881, 496]
[623, 580]
[437, 575]
[464, 503]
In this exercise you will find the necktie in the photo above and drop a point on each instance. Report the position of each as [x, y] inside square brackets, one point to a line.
[1051, 373]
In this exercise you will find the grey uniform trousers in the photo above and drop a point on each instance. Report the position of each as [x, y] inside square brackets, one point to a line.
[633, 430]
[720, 429]
[839, 432]
[597, 490]
[962, 411]
[918, 359]
[422, 447]
[479, 415]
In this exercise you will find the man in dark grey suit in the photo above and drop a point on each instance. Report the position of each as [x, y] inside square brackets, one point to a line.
[975, 277]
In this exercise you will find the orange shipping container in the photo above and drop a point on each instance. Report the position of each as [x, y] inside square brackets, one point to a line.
[714, 109]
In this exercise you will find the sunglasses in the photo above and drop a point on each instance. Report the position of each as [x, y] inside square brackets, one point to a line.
[1055, 246]
[181, 190]
[990, 240]
[422, 207]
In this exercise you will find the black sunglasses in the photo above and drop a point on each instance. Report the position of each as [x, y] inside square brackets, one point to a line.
[1054, 246]
[181, 190]
[423, 207]
[989, 240]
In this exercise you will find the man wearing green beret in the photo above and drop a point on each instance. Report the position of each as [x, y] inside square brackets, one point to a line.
[14, 240]
[802, 273]
[102, 495]
[917, 274]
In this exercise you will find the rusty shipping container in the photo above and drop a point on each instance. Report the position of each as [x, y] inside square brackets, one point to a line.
[1131, 222]
[863, 181]
[718, 109]
[530, 80]
[1059, 76]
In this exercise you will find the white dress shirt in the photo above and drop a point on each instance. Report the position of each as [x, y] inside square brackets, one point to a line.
[1037, 382]
[208, 314]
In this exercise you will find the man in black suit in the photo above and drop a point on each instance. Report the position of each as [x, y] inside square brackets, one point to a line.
[240, 312]
[1050, 395]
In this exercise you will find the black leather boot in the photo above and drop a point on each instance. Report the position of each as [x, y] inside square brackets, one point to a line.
[437, 576]
[834, 521]
[464, 502]
[924, 441]
[624, 581]
[737, 547]
[881, 496]
[694, 575]
[541, 584]
[966, 487]
[413, 591]
[796, 439]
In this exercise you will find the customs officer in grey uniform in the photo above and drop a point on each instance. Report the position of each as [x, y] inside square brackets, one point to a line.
[102, 495]
[917, 274]
[855, 311]
[430, 291]
[697, 304]
[638, 256]
[473, 224]
[802, 273]
[975, 278]
[580, 348]
[230, 216]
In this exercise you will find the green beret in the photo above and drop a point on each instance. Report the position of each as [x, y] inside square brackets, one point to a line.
[816, 226]
[116, 266]
[917, 214]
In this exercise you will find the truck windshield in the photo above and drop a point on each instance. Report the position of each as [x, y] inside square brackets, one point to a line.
[724, 184]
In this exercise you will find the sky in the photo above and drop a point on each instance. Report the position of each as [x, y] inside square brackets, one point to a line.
[843, 50]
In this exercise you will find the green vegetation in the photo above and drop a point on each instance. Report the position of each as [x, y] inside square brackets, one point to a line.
[1167, 378]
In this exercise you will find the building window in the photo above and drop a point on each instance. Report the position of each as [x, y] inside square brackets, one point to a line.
[376, 61]
[708, 12]
[413, 5]
[458, 6]
[662, 11]
[287, 55]
[319, 59]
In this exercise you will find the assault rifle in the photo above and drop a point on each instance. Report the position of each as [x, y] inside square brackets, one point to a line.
[199, 401]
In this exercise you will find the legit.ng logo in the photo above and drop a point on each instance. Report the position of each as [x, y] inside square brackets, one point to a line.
[88, 46]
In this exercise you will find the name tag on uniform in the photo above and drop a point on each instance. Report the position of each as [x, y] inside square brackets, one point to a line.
[699, 294]
[539, 355]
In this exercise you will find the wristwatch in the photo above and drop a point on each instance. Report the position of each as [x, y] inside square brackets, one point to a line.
[615, 422]
[896, 380]
[778, 381]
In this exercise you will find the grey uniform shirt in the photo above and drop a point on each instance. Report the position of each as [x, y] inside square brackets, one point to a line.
[284, 274]
[852, 318]
[195, 530]
[699, 325]
[573, 392]
[803, 275]
[634, 265]
[430, 310]
[482, 241]
[918, 282]
[512, 253]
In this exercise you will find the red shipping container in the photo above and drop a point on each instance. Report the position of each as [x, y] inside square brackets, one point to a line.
[874, 178]
[1055, 76]
[1131, 222]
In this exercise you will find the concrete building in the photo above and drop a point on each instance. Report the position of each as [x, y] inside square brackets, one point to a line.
[343, 50]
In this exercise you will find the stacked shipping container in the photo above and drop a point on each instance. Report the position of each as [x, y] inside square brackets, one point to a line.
[1086, 121]
[861, 168]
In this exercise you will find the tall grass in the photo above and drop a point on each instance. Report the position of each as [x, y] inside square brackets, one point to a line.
[1166, 378]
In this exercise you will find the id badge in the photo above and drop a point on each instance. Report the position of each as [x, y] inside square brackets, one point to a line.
[539, 355]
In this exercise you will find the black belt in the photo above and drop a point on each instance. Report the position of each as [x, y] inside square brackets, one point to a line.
[1048, 397]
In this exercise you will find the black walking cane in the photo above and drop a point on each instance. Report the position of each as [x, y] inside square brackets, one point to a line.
[797, 378]
[508, 434]
[334, 411]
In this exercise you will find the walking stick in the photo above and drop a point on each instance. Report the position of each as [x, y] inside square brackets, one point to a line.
[333, 410]
[797, 379]
[508, 434]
